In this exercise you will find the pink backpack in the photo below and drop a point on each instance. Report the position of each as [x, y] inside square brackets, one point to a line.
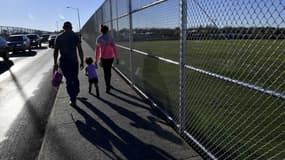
[56, 79]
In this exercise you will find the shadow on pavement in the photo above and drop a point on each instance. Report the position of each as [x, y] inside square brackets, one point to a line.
[139, 122]
[27, 131]
[127, 94]
[42, 47]
[130, 101]
[128, 145]
[5, 65]
[23, 54]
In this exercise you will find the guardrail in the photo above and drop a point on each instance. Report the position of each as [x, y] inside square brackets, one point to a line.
[5, 31]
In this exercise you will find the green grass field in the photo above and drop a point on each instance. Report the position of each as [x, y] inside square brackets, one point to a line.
[259, 62]
[231, 121]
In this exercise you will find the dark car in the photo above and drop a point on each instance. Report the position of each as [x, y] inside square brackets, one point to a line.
[51, 40]
[45, 38]
[4, 50]
[36, 40]
[19, 43]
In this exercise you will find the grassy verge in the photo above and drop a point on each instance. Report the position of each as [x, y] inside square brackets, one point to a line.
[229, 120]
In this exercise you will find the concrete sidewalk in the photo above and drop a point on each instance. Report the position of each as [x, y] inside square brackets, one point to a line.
[120, 125]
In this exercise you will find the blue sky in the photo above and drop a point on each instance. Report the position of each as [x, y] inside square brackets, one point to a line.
[43, 14]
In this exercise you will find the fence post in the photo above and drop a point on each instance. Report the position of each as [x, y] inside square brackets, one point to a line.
[183, 37]
[111, 19]
[117, 15]
[131, 43]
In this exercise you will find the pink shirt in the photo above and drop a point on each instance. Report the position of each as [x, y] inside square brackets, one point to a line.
[105, 47]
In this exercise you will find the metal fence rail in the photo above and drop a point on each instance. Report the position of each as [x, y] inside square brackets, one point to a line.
[216, 68]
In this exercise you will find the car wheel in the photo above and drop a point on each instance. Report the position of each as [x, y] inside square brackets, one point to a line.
[6, 56]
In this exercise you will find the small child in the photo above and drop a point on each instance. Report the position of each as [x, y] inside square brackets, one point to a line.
[90, 71]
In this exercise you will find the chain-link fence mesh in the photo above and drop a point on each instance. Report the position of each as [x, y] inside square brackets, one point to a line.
[238, 45]
[235, 68]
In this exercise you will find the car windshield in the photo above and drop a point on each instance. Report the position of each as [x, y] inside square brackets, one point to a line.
[32, 36]
[2, 41]
[15, 38]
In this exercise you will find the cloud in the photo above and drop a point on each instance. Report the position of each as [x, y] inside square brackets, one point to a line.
[61, 17]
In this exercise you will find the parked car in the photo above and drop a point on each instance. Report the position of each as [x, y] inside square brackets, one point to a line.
[36, 40]
[51, 40]
[4, 50]
[19, 43]
[45, 38]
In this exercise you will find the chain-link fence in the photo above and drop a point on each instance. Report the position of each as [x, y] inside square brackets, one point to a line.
[5, 31]
[217, 68]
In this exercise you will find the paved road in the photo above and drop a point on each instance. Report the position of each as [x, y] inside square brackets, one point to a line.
[26, 98]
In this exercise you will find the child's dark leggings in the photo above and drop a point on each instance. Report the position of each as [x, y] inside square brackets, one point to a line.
[95, 82]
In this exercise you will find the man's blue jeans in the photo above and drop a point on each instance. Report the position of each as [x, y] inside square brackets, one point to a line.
[70, 72]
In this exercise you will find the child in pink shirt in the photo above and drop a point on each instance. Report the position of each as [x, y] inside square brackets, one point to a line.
[90, 71]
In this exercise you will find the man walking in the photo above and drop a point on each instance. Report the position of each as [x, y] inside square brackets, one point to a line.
[68, 43]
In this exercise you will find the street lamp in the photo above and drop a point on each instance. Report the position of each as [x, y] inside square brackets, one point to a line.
[56, 26]
[77, 9]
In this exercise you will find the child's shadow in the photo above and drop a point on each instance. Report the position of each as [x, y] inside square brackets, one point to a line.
[116, 138]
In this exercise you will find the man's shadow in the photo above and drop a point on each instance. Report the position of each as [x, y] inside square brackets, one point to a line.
[5, 65]
[106, 139]
[98, 135]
